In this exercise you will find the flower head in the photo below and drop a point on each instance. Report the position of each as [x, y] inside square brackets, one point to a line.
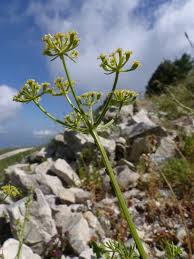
[11, 191]
[90, 98]
[123, 97]
[116, 61]
[32, 91]
[60, 44]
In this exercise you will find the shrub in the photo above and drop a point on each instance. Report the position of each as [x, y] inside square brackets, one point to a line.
[168, 73]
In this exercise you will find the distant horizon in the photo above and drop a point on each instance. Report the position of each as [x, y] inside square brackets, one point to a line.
[27, 141]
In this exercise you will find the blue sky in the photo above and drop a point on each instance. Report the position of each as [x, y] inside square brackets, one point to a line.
[154, 30]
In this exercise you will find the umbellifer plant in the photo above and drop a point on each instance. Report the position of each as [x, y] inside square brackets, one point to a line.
[82, 119]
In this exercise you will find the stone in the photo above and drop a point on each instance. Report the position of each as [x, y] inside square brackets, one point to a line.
[78, 208]
[65, 172]
[78, 234]
[141, 126]
[66, 196]
[79, 141]
[120, 151]
[87, 254]
[142, 116]
[11, 169]
[44, 167]
[126, 178]
[37, 157]
[48, 184]
[22, 180]
[3, 211]
[165, 151]
[142, 129]
[10, 248]
[139, 147]
[76, 227]
[40, 228]
[94, 224]
[81, 196]
[181, 234]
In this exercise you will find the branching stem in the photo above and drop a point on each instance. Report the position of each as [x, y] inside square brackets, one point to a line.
[107, 104]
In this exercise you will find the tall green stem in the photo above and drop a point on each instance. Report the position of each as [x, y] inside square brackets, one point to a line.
[107, 104]
[71, 86]
[120, 197]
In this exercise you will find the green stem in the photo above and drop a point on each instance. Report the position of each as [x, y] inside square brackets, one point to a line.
[49, 115]
[22, 231]
[80, 110]
[107, 104]
[70, 103]
[91, 115]
[71, 87]
[120, 197]
[180, 104]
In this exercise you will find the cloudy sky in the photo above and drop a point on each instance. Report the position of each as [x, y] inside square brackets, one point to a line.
[153, 30]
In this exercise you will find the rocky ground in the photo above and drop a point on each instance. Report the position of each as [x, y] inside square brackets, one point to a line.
[73, 203]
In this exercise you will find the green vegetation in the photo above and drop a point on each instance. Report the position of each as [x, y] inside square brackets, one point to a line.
[168, 74]
[188, 148]
[179, 174]
[177, 101]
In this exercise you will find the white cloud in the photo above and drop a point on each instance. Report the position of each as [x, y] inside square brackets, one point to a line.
[106, 25]
[43, 133]
[8, 108]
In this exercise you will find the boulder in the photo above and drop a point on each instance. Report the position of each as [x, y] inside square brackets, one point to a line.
[36, 157]
[142, 129]
[165, 151]
[139, 147]
[126, 177]
[81, 196]
[141, 126]
[76, 227]
[94, 224]
[65, 172]
[70, 145]
[44, 167]
[66, 196]
[78, 234]
[22, 180]
[10, 248]
[40, 228]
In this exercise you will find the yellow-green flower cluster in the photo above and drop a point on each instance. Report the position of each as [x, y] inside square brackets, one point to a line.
[63, 85]
[61, 44]
[31, 91]
[123, 97]
[11, 191]
[90, 98]
[116, 61]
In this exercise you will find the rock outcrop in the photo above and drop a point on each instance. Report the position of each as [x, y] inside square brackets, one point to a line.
[64, 201]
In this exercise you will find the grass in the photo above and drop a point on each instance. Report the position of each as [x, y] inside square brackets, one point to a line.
[13, 160]
[184, 93]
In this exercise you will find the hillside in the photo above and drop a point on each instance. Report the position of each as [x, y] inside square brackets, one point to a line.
[151, 147]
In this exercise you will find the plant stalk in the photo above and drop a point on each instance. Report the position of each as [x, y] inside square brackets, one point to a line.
[119, 195]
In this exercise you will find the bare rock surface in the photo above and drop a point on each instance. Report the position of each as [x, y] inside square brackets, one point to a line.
[10, 248]
[64, 171]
